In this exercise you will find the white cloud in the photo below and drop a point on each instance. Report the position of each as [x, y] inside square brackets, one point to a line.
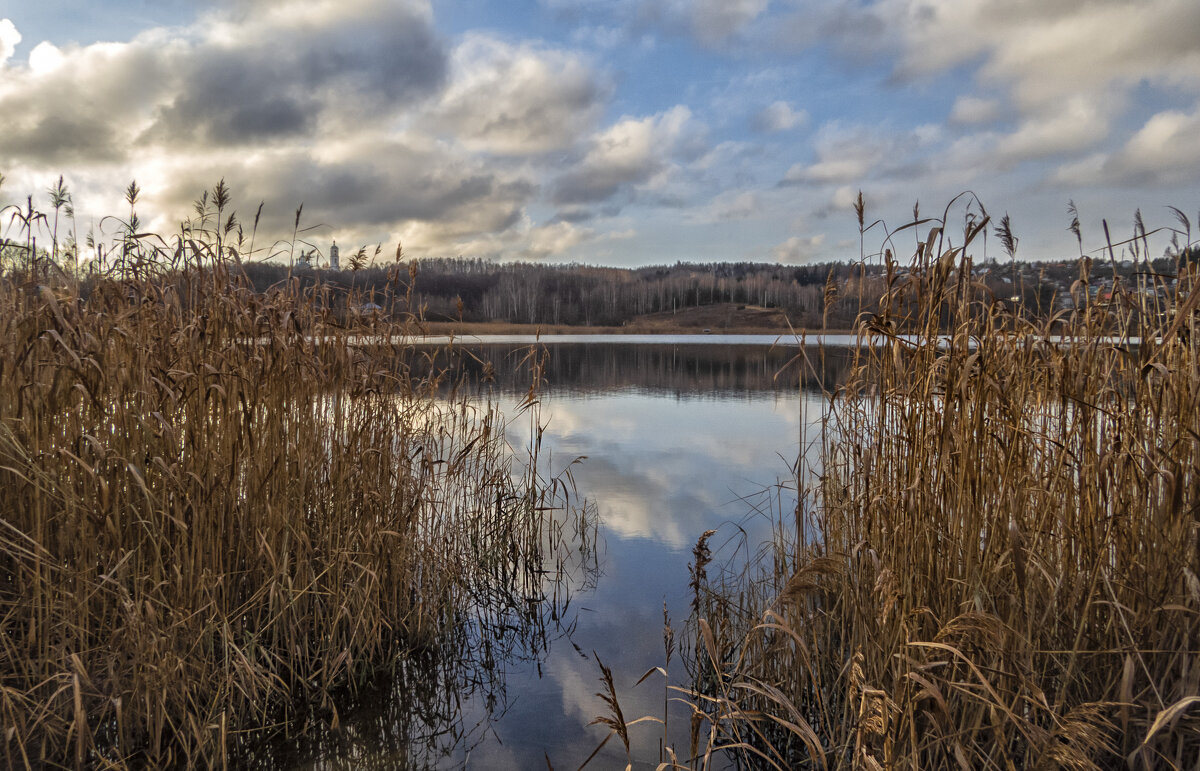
[1043, 51]
[731, 205]
[634, 151]
[844, 198]
[1164, 152]
[1065, 71]
[797, 249]
[517, 99]
[970, 109]
[779, 116]
[45, 57]
[555, 240]
[1076, 123]
[9, 38]
[845, 154]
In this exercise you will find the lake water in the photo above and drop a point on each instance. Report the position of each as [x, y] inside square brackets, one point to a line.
[676, 438]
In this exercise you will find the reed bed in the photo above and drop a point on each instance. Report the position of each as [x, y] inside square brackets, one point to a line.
[994, 561]
[217, 515]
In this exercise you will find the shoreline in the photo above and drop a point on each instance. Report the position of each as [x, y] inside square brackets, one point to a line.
[460, 328]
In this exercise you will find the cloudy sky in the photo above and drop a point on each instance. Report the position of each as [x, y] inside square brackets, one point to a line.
[618, 132]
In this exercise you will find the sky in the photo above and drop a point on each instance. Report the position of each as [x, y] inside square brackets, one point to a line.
[612, 132]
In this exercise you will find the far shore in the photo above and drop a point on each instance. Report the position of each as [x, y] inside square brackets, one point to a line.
[716, 319]
[461, 328]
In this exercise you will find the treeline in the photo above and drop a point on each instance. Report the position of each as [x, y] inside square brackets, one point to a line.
[477, 290]
[811, 296]
[828, 295]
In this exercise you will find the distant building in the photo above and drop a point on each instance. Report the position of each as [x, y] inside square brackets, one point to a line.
[333, 257]
[305, 260]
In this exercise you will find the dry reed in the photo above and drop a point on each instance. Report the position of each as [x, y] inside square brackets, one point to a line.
[217, 514]
[994, 562]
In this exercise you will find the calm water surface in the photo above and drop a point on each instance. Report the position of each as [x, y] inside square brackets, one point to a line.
[673, 439]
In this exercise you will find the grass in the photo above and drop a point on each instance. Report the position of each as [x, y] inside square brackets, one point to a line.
[994, 561]
[217, 515]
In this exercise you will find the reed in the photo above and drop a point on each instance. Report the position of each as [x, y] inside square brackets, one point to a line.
[994, 561]
[217, 513]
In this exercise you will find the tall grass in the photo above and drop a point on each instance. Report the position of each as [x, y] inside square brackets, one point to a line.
[216, 514]
[994, 562]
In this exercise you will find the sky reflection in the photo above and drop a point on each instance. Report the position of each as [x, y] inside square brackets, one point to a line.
[660, 466]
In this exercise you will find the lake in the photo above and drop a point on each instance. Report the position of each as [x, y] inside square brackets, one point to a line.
[663, 440]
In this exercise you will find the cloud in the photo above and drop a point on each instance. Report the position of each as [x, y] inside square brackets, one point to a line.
[730, 206]
[714, 21]
[970, 109]
[1065, 69]
[263, 77]
[57, 137]
[526, 241]
[45, 57]
[1164, 152]
[710, 22]
[353, 108]
[1076, 123]
[556, 239]
[1043, 50]
[9, 38]
[360, 187]
[517, 100]
[275, 75]
[779, 116]
[847, 154]
[797, 249]
[634, 151]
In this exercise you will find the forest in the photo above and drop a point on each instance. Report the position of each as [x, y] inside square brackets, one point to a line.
[827, 295]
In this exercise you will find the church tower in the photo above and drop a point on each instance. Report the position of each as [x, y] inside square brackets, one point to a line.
[333, 257]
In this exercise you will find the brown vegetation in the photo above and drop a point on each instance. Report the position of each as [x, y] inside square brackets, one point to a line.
[994, 561]
[215, 515]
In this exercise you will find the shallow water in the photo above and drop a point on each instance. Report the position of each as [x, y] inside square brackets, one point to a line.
[664, 442]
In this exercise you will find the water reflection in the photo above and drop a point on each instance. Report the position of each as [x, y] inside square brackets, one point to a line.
[675, 440]
[682, 370]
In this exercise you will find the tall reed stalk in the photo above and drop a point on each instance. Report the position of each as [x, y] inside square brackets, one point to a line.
[994, 563]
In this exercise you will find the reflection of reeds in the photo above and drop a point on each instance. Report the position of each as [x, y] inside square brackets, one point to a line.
[215, 514]
[996, 566]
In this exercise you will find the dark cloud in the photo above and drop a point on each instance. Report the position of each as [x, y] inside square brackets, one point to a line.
[255, 91]
[574, 214]
[58, 138]
[229, 101]
[376, 189]
[594, 184]
[232, 79]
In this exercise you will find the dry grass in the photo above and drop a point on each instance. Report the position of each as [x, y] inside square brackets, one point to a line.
[216, 515]
[995, 559]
